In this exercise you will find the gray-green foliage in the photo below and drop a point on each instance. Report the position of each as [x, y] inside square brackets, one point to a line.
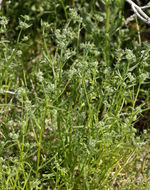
[73, 83]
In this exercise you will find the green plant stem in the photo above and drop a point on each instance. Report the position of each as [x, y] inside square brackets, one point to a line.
[66, 15]
[107, 53]
[41, 133]
[88, 102]
[18, 39]
[49, 58]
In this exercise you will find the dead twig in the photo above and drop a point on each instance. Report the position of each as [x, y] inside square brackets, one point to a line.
[139, 11]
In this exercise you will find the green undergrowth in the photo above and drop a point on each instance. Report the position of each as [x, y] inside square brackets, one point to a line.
[74, 97]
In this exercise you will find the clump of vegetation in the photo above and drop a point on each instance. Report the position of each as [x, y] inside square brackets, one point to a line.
[74, 96]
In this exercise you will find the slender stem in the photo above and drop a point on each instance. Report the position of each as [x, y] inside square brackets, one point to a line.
[107, 31]
[66, 15]
[18, 39]
[138, 31]
[48, 55]
[40, 137]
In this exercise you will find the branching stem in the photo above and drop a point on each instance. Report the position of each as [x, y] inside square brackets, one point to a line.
[139, 11]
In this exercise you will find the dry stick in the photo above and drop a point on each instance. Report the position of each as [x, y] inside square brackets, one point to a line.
[139, 11]
[146, 6]
[0, 4]
[131, 18]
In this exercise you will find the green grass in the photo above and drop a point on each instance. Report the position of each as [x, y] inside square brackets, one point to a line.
[74, 97]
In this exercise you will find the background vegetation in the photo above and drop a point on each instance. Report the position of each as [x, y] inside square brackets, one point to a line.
[74, 96]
